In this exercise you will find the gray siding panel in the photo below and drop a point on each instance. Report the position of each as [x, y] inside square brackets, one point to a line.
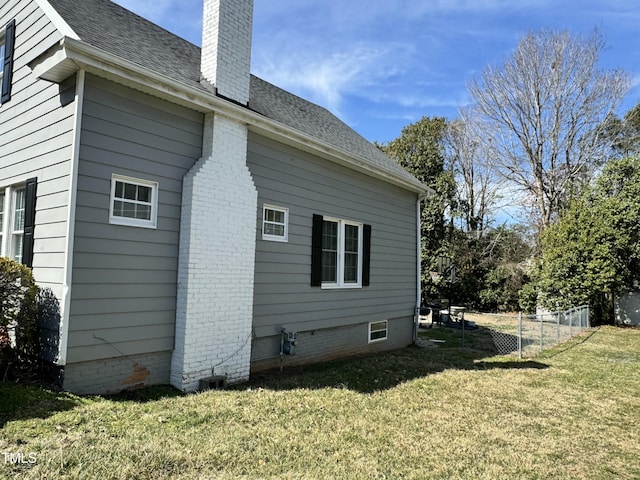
[125, 277]
[37, 134]
[307, 185]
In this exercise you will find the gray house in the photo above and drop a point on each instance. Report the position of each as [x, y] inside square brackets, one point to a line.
[191, 219]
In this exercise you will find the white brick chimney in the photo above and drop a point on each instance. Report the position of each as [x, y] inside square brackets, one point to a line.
[226, 47]
[216, 264]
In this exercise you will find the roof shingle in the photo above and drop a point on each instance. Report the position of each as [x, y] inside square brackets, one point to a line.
[115, 30]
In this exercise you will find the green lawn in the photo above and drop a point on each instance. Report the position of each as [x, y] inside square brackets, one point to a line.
[573, 412]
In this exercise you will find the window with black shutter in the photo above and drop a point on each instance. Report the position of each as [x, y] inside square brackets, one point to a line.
[340, 253]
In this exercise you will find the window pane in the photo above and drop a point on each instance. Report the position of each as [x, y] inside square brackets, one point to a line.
[330, 236]
[128, 210]
[330, 252]
[351, 267]
[329, 267]
[378, 335]
[378, 326]
[351, 238]
[278, 216]
[16, 247]
[119, 189]
[18, 222]
[144, 194]
[130, 191]
[118, 208]
[143, 212]
[273, 229]
[1, 212]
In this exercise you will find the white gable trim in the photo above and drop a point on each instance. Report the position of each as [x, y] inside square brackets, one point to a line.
[61, 25]
[59, 63]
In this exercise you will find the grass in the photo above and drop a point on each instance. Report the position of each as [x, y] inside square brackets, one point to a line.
[572, 412]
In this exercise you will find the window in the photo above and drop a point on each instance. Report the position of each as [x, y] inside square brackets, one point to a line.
[133, 202]
[17, 228]
[17, 221]
[275, 222]
[7, 38]
[378, 331]
[340, 253]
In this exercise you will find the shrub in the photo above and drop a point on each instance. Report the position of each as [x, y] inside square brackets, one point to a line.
[18, 309]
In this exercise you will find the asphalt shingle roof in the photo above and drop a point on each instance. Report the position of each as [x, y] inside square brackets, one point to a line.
[115, 30]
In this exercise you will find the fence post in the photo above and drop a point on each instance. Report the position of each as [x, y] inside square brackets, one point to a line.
[541, 331]
[520, 335]
[586, 315]
[570, 326]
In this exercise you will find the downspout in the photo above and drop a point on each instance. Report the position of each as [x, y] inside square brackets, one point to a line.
[416, 322]
[71, 221]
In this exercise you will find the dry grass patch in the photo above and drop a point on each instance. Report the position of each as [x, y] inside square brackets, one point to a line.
[417, 413]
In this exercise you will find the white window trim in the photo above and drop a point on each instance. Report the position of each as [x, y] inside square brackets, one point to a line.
[134, 222]
[385, 330]
[341, 252]
[8, 220]
[13, 232]
[275, 238]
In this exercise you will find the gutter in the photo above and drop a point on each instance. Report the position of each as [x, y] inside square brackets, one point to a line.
[70, 54]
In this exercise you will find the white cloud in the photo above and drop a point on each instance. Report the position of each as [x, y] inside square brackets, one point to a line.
[325, 77]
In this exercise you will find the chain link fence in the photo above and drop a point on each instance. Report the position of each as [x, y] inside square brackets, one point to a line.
[529, 335]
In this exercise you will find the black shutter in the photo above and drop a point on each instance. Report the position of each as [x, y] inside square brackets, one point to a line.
[366, 255]
[9, 40]
[316, 251]
[29, 221]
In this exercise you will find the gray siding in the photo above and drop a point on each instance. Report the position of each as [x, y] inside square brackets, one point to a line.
[124, 278]
[37, 134]
[306, 185]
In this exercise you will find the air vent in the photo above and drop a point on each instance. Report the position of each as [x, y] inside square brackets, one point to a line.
[217, 382]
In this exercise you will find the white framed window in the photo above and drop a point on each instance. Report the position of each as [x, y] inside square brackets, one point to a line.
[17, 225]
[341, 253]
[12, 217]
[275, 223]
[134, 202]
[378, 331]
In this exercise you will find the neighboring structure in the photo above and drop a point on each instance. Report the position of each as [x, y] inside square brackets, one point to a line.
[190, 218]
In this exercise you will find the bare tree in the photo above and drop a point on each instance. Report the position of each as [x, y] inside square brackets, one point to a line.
[476, 188]
[540, 112]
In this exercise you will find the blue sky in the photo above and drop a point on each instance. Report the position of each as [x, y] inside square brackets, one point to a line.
[383, 64]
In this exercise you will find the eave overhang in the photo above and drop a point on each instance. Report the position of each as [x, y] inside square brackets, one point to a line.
[70, 55]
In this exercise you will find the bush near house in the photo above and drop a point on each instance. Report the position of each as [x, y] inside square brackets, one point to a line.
[19, 343]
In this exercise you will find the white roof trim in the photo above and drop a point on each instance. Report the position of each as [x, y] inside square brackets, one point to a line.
[77, 54]
[61, 25]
